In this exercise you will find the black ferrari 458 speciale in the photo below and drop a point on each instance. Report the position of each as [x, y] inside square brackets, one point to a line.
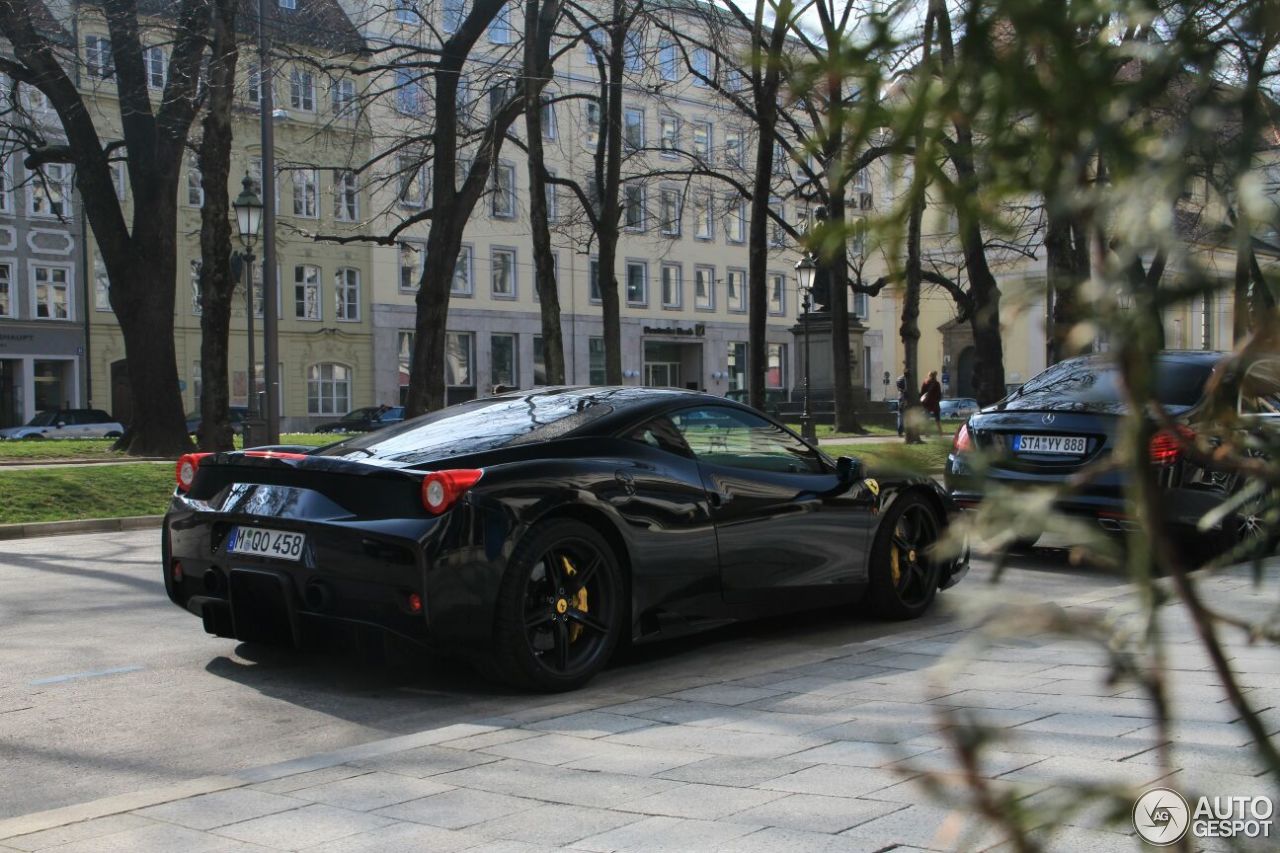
[540, 529]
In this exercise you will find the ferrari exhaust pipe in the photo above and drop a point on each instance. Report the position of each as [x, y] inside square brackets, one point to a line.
[317, 596]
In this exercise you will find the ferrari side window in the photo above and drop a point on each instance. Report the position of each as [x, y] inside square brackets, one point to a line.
[662, 434]
[723, 436]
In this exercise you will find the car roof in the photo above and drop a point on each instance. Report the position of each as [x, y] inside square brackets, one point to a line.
[629, 402]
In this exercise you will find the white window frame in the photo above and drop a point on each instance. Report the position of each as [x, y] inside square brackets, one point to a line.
[670, 227]
[302, 90]
[330, 403]
[778, 288]
[342, 97]
[99, 62]
[594, 291]
[308, 287]
[346, 285]
[629, 114]
[6, 184]
[705, 151]
[509, 251]
[346, 195]
[101, 283]
[288, 4]
[709, 303]
[700, 62]
[643, 266]
[668, 60]
[418, 251]
[467, 263]
[738, 304]
[550, 131]
[196, 266]
[253, 82]
[34, 269]
[452, 14]
[591, 119]
[553, 198]
[678, 288]
[156, 64]
[8, 283]
[502, 203]
[39, 192]
[408, 93]
[500, 28]
[705, 213]
[410, 172]
[306, 193]
[406, 12]
[735, 225]
[627, 189]
[195, 183]
[670, 143]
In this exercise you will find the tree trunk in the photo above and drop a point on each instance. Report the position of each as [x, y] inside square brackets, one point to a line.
[217, 285]
[1067, 263]
[842, 373]
[610, 208]
[910, 328]
[159, 426]
[535, 65]
[988, 345]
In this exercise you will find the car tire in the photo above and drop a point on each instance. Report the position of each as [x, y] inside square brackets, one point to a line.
[560, 609]
[112, 434]
[903, 579]
[1249, 536]
[35, 436]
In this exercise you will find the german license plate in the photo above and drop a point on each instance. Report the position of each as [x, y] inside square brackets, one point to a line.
[1067, 445]
[263, 542]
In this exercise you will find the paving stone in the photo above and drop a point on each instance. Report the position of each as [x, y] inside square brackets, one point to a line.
[557, 784]
[1073, 838]
[404, 837]
[637, 706]
[488, 739]
[633, 760]
[508, 845]
[97, 828]
[986, 699]
[724, 694]
[220, 808]
[285, 784]
[371, 791]
[719, 741]
[924, 826]
[876, 731]
[857, 754]
[1202, 781]
[1081, 745]
[704, 714]
[814, 813]
[589, 724]
[551, 749]
[1059, 769]
[729, 770]
[773, 839]
[427, 761]
[153, 838]
[305, 827]
[554, 824]
[914, 791]
[705, 802]
[1201, 733]
[1224, 759]
[667, 835]
[1088, 724]
[833, 780]
[992, 763]
[459, 808]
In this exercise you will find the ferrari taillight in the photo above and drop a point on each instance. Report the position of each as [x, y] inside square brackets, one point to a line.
[188, 465]
[441, 489]
[274, 454]
[963, 442]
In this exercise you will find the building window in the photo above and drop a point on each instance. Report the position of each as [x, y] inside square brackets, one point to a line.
[593, 279]
[733, 149]
[50, 194]
[409, 93]
[539, 361]
[777, 234]
[52, 292]
[346, 196]
[553, 198]
[633, 50]
[413, 183]
[668, 60]
[775, 373]
[156, 64]
[549, 129]
[500, 30]
[670, 139]
[503, 270]
[671, 209]
[704, 288]
[328, 389]
[736, 290]
[344, 98]
[777, 293]
[8, 305]
[462, 99]
[101, 283]
[6, 187]
[453, 14]
[253, 82]
[633, 128]
[306, 293]
[595, 361]
[98, 62]
[288, 4]
[195, 183]
[462, 273]
[591, 116]
[737, 365]
[406, 12]
[637, 283]
[701, 62]
[633, 206]
[861, 306]
[346, 285]
[503, 203]
[502, 361]
[305, 192]
[119, 176]
[197, 305]
[302, 90]
[412, 260]
[735, 224]
[458, 352]
[702, 141]
[672, 285]
[704, 216]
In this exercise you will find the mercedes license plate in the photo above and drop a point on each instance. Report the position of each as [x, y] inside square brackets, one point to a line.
[263, 542]
[1067, 445]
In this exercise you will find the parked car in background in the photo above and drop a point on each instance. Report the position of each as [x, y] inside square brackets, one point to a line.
[365, 419]
[1069, 416]
[237, 417]
[958, 408]
[67, 423]
[773, 397]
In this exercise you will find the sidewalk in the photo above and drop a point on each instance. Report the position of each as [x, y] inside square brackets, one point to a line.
[817, 752]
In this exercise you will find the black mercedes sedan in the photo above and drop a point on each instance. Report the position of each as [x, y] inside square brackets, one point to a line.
[1067, 418]
[536, 531]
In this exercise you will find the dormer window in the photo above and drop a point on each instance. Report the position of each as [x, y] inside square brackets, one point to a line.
[288, 4]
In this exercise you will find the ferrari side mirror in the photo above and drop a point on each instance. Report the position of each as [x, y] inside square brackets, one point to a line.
[848, 469]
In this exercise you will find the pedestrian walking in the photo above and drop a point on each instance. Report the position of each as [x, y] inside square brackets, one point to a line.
[931, 398]
[903, 390]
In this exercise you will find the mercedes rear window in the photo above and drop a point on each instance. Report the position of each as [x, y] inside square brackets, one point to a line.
[1094, 385]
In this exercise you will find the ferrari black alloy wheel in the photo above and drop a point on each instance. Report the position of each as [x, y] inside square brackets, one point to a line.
[904, 575]
[560, 610]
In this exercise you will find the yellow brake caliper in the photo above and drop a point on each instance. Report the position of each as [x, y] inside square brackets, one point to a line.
[579, 600]
[894, 569]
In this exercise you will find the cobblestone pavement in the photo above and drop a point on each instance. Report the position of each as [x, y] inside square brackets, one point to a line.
[820, 747]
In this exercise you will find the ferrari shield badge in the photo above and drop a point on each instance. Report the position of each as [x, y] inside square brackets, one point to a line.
[873, 486]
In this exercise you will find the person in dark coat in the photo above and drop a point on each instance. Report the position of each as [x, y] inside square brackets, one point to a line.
[931, 398]
[903, 386]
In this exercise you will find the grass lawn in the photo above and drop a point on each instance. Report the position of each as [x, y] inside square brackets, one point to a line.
[829, 431]
[927, 458]
[59, 493]
[99, 449]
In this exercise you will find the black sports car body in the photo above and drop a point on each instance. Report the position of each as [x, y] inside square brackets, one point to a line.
[537, 530]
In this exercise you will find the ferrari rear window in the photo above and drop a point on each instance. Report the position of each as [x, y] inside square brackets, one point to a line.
[474, 427]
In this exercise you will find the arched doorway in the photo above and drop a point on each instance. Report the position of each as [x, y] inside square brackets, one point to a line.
[964, 373]
[121, 393]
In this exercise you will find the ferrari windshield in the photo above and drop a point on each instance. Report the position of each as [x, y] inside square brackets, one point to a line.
[480, 425]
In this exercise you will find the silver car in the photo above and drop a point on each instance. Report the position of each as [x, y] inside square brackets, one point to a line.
[67, 423]
[958, 408]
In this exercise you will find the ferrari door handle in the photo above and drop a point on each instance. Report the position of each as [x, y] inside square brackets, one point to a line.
[719, 498]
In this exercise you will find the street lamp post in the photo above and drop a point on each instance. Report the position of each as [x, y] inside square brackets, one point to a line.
[248, 209]
[805, 271]
[270, 329]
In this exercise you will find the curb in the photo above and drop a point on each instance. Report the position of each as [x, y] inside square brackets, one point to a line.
[86, 525]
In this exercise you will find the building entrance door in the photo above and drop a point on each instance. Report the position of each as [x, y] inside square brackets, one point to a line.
[662, 374]
[10, 393]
